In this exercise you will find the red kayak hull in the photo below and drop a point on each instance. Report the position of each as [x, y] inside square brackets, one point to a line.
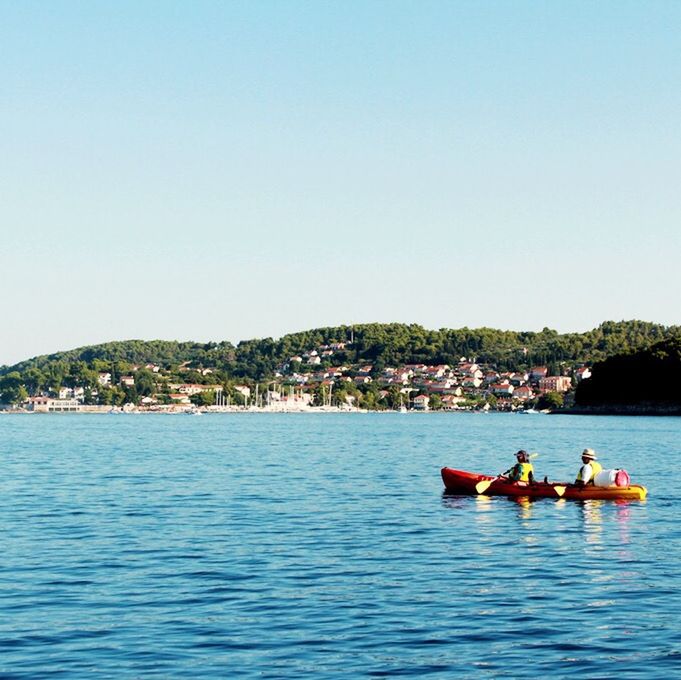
[460, 482]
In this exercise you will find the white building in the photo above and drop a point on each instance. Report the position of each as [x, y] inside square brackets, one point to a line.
[421, 403]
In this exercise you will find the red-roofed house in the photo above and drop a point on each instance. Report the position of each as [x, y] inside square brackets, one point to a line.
[421, 403]
[437, 371]
[582, 373]
[523, 393]
[538, 372]
[451, 401]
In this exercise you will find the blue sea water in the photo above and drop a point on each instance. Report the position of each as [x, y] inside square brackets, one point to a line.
[322, 545]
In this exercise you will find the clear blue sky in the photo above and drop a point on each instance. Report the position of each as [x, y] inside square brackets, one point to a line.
[228, 170]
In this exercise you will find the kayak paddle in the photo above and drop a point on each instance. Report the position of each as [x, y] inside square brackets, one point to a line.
[483, 485]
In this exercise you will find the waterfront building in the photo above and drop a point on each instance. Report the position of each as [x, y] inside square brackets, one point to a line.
[555, 383]
[421, 403]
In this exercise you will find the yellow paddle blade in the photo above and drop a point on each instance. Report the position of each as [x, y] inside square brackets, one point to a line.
[560, 490]
[482, 486]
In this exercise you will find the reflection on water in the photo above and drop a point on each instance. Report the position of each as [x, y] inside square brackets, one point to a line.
[454, 502]
[623, 515]
[524, 504]
[593, 520]
[483, 503]
[592, 513]
[174, 548]
[484, 511]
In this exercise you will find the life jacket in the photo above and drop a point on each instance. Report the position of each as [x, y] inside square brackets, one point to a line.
[520, 472]
[596, 467]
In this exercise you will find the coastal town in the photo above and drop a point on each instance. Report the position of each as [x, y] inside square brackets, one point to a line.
[310, 381]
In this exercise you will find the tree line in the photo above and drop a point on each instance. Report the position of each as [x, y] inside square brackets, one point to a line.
[380, 345]
[649, 376]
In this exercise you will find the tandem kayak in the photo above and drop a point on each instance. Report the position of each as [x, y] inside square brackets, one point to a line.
[460, 482]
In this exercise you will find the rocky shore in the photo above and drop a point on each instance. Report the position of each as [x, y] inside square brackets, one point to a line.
[642, 409]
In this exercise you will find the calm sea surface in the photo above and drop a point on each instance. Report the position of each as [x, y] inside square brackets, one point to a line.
[277, 546]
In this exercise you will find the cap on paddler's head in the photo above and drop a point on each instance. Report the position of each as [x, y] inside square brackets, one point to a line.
[589, 453]
[521, 454]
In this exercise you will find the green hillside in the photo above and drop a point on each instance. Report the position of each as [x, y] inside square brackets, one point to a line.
[388, 344]
[378, 345]
[647, 377]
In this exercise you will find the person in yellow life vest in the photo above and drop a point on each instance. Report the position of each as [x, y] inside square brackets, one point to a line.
[522, 472]
[590, 468]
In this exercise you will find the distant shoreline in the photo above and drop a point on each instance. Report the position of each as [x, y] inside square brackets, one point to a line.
[622, 410]
[245, 411]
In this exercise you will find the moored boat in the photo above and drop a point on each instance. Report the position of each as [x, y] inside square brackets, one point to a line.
[461, 482]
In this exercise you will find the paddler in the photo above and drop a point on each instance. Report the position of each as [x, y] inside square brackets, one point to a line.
[522, 472]
[590, 468]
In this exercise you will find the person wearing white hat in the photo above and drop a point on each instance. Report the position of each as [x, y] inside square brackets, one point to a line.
[590, 468]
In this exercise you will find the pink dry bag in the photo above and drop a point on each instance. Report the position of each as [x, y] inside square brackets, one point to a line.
[622, 478]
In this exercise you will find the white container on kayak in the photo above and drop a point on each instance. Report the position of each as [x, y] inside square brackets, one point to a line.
[613, 477]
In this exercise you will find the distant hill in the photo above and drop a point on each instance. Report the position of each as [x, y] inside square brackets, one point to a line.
[379, 344]
[165, 352]
[647, 379]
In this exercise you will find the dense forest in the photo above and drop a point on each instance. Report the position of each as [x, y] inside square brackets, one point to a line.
[379, 345]
[649, 376]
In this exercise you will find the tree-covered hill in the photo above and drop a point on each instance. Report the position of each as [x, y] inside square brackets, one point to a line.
[394, 344]
[163, 352]
[648, 377]
[379, 344]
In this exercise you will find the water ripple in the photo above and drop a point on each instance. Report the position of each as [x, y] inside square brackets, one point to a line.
[275, 547]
